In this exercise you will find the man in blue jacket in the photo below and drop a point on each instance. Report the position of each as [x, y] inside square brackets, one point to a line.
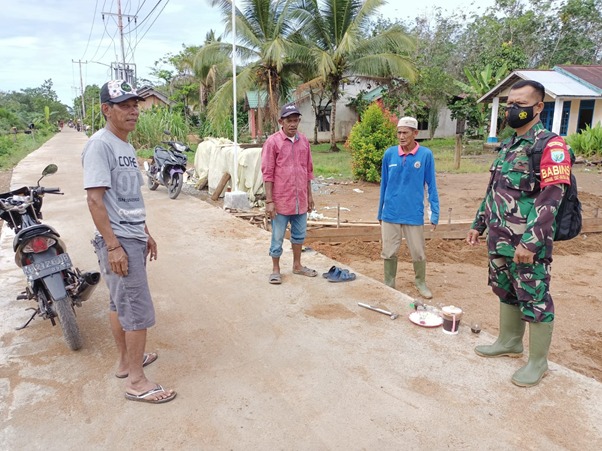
[406, 169]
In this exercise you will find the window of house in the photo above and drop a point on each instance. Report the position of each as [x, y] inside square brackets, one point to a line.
[547, 116]
[324, 119]
[564, 123]
[423, 123]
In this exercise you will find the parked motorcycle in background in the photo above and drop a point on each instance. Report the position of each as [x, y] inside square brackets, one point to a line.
[52, 281]
[167, 167]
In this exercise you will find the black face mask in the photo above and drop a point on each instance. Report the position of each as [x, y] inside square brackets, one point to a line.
[519, 115]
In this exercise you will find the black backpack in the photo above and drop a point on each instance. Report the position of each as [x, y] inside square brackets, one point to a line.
[568, 217]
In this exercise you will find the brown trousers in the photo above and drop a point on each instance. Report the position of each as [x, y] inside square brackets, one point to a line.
[392, 235]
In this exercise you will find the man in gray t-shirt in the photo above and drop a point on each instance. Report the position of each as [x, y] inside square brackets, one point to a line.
[112, 181]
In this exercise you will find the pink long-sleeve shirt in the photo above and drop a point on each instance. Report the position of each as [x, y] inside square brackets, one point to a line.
[287, 163]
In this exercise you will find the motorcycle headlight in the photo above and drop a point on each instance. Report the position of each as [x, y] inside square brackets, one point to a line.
[180, 147]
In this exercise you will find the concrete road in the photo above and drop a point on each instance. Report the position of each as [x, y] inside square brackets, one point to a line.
[297, 366]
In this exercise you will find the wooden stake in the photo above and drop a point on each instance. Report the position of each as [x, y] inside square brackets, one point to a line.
[458, 153]
[220, 186]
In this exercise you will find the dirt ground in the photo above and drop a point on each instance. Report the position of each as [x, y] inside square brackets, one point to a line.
[457, 273]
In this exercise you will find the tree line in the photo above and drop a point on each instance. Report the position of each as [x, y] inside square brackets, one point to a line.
[290, 48]
[437, 59]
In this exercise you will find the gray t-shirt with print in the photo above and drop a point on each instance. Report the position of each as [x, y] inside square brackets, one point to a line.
[111, 163]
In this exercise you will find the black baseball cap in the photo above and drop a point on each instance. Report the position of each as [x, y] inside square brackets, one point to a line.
[288, 109]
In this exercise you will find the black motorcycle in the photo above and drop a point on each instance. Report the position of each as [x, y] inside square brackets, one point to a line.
[52, 281]
[167, 167]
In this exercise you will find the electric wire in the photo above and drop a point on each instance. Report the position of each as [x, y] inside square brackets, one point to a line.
[151, 25]
[91, 30]
[140, 7]
[141, 22]
[103, 33]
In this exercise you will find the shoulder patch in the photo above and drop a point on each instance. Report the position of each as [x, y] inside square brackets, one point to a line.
[557, 155]
[555, 163]
[556, 142]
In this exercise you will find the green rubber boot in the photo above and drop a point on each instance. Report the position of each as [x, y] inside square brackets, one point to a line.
[390, 271]
[540, 337]
[420, 281]
[510, 341]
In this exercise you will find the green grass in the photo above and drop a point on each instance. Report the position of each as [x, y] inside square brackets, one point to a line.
[13, 148]
[331, 164]
[145, 153]
[474, 158]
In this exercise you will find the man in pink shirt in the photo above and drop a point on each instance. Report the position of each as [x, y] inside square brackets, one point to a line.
[288, 170]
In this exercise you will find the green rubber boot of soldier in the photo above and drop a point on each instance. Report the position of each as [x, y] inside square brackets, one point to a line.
[390, 271]
[420, 281]
[540, 337]
[510, 340]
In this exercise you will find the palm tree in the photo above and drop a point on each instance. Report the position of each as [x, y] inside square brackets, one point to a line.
[210, 72]
[262, 28]
[341, 46]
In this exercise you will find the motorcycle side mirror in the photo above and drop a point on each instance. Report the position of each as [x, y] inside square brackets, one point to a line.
[48, 170]
[167, 132]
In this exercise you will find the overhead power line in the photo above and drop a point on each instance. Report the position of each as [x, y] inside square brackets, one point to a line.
[91, 30]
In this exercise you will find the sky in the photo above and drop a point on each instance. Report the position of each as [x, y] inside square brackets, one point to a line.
[55, 39]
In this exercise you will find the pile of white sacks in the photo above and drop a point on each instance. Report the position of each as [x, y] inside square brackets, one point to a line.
[215, 157]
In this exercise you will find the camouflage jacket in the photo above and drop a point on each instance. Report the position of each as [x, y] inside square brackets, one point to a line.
[519, 210]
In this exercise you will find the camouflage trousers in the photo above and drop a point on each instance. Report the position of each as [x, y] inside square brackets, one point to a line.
[525, 285]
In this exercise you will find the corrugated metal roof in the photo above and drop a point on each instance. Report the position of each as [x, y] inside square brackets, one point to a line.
[591, 75]
[374, 94]
[257, 99]
[556, 84]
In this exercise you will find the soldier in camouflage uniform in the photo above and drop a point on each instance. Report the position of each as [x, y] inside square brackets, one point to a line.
[519, 211]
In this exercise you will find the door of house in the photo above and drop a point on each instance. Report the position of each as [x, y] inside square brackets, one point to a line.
[586, 114]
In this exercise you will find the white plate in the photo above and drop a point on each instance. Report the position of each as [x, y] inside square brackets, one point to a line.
[425, 319]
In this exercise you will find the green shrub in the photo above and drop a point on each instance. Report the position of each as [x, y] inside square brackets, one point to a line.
[588, 142]
[152, 123]
[368, 141]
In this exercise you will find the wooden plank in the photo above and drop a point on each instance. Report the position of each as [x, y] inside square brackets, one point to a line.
[242, 214]
[591, 225]
[454, 231]
[221, 186]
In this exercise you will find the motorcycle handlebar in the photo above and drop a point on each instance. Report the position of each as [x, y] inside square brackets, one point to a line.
[52, 190]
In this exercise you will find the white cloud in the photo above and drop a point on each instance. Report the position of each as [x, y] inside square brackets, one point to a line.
[40, 39]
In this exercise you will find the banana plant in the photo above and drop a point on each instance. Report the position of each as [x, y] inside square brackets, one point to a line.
[479, 84]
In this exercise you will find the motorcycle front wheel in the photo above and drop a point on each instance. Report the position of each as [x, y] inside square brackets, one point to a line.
[151, 183]
[66, 314]
[175, 185]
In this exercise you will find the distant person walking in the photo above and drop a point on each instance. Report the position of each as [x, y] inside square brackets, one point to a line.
[406, 170]
[287, 170]
[112, 181]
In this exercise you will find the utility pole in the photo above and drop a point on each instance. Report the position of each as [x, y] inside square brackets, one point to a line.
[81, 85]
[120, 26]
[123, 72]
